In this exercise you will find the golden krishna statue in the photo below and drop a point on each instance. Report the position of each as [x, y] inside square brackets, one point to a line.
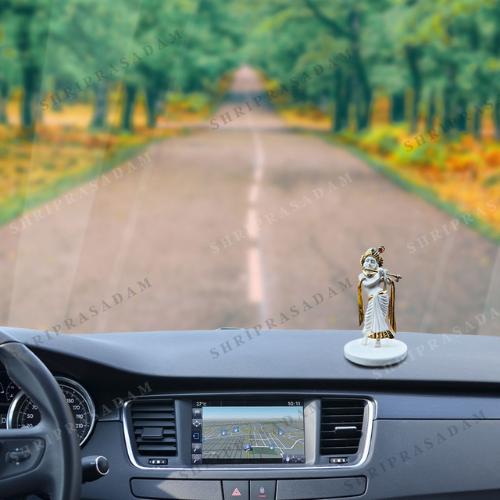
[374, 279]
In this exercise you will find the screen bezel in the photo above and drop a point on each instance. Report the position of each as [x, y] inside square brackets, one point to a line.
[293, 459]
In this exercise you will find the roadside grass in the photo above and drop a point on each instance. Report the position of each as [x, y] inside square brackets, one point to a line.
[65, 153]
[33, 173]
[455, 191]
[457, 173]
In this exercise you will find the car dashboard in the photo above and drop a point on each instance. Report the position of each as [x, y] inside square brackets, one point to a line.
[286, 417]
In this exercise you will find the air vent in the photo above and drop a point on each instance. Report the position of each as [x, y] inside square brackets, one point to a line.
[153, 424]
[341, 426]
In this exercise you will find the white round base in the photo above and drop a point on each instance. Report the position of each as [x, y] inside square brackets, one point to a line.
[390, 352]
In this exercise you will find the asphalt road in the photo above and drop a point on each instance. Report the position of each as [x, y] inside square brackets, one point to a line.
[179, 221]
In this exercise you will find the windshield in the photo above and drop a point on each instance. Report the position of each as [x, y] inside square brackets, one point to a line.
[204, 164]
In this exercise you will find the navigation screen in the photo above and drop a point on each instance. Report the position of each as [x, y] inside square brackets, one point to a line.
[259, 432]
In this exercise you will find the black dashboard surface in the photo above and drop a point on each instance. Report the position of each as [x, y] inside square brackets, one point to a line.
[436, 420]
[313, 354]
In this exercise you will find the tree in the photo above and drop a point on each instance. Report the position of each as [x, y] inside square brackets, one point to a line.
[28, 34]
[89, 38]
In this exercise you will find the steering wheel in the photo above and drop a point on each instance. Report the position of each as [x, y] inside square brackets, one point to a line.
[45, 458]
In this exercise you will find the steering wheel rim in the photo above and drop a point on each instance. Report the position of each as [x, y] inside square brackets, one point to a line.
[45, 458]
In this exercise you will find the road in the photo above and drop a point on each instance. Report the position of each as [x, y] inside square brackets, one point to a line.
[186, 222]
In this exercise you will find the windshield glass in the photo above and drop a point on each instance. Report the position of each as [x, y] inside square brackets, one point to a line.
[195, 165]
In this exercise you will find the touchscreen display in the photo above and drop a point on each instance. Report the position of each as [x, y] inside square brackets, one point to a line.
[247, 432]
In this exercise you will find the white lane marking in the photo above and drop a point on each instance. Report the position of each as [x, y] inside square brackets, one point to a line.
[251, 227]
[255, 289]
[255, 275]
[259, 157]
[253, 195]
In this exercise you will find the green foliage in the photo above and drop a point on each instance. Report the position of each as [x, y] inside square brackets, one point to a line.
[492, 180]
[383, 139]
[195, 102]
[443, 51]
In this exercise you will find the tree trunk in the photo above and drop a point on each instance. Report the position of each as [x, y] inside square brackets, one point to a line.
[4, 93]
[461, 117]
[364, 105]
[30, 79]
[416, 77]
[352, 32]
[431, 112]
[342, 101]
[30, 69]
[476, 125]
[298, 95]
[363, 110]
[450, 91]
[99, 119]
[151, 105]
[448, 107]
[496, 52]
[397, 107]
[496, 119]
[128, 107]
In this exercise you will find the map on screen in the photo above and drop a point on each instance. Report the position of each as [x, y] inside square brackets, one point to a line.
[258, 433]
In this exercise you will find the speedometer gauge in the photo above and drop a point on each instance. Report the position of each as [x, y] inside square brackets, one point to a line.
[23, 412]
[11, 391]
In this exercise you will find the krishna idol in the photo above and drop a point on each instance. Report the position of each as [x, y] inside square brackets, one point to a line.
[379, 317]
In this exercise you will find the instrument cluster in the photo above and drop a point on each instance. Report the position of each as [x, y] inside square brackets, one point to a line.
[18, 410]
[8, 391]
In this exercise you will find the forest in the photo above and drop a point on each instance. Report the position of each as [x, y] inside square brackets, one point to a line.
[120, 67]
[429, 58]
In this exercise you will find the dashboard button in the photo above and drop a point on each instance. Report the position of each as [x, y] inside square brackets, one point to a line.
[262, 490]
[158, 461]
[235, 490]
[176, 488]
[18, 456]
[313, 489]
